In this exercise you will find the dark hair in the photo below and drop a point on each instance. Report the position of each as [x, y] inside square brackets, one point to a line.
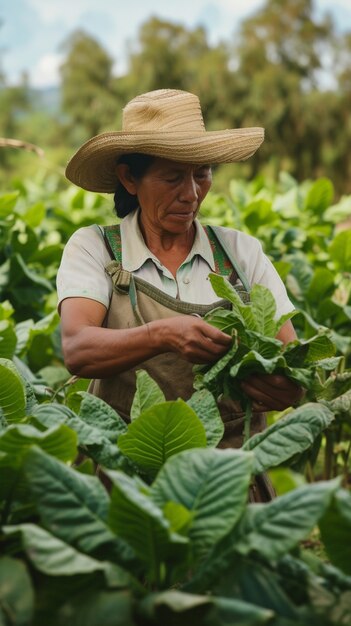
[138, 165]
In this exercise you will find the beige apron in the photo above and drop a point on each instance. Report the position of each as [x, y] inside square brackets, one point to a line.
[135, 302]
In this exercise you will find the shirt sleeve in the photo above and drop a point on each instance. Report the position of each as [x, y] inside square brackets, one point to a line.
[82, 269]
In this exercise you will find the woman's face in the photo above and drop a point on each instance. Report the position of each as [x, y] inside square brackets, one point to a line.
[170, 194]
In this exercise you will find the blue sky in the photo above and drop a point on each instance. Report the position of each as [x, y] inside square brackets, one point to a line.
[33, 30]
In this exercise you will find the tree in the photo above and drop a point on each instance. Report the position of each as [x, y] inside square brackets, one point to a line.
[279, 57]
[167, 55]
[88, 95]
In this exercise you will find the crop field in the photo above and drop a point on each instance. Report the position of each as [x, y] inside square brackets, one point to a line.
[109, 524]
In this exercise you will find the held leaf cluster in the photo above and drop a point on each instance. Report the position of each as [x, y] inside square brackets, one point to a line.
[255, 349]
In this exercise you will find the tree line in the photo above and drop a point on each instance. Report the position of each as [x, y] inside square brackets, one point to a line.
[271, 74]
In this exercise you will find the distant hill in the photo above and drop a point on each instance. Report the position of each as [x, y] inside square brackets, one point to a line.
[47, 99]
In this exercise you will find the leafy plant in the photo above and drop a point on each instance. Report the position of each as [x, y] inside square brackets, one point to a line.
[255, 348]
[179, 545]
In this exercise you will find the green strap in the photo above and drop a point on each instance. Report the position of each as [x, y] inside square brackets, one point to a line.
[226, 253]
[112, 236]
[222, 255]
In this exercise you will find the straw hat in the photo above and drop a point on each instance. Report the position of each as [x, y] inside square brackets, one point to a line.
[166, 123]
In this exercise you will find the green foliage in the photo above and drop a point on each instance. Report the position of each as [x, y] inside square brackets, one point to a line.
[184, 545]
[88, 94]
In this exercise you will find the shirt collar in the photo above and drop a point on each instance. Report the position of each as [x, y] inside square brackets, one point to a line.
[135, 251]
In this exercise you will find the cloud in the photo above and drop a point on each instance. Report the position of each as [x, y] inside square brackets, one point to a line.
[46, 72]
[64, 11]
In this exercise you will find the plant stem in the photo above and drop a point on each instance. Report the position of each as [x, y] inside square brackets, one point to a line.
[328, 458]
[247, 420]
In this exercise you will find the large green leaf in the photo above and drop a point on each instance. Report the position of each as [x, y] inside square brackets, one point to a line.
[8, 339]
[59, 441]
[291, 435]
[12, 392]
[275, 528]
[336, 530]
[95, 439]
[12, 484]
[322, 285]
[28, 330]
[264, 310]
[93, 607]
[224, 289]
[8, 202]
[342, 404]
[320, 196]
[74, 507]
[177, 608]
[340, 250]
[205, 407]
[138, 520]
[55, 557]
[211, 483]
[161, 432]
[147, 394]
[16, 593]
[99, 414]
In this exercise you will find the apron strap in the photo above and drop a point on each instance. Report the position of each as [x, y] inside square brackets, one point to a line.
[215, 236]
[225, 263]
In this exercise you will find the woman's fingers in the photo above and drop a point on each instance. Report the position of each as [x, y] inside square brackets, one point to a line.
[271, 392]
[196, 340]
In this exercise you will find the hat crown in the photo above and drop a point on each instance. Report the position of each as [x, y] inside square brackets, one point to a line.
[163, 109]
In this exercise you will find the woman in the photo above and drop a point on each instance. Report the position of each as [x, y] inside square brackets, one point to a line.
[133, 296]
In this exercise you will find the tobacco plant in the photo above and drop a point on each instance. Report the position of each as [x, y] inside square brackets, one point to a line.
[255, 349]
[173, 539]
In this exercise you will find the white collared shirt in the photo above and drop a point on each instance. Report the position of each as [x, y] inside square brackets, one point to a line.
[82, 269]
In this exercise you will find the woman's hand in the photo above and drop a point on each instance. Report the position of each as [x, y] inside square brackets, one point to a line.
[193, 339]
[272, 392]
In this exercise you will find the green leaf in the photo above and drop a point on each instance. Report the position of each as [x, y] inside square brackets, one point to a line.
[275, 528]
[8, 339]
[16, 593]
[99, 414]
[54, 557]
[138, 520]
[341, 404]
[94, 438]
[205, 407]
[222, 287]
[264, 309]
[27, 331]
[297, 353]
[8, 202]
[59, 441]
[34, 215]
[12, 392]
[147, 394]
[160, 432]
[320, 196]
[177, 607]
[290, 435]
[178, 516]
[254, 362]
[94, 607]
[74, 507]
[340, 250]
[12, 484]
[321, 286]
[20, 272]
[213, 484]
[336, 530]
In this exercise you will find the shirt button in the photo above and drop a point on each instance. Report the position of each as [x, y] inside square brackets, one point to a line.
[186, 281]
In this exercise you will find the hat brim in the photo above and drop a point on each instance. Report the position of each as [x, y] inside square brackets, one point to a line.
[93, 166]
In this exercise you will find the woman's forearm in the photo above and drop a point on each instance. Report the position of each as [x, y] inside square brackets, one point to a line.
[101, 352]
